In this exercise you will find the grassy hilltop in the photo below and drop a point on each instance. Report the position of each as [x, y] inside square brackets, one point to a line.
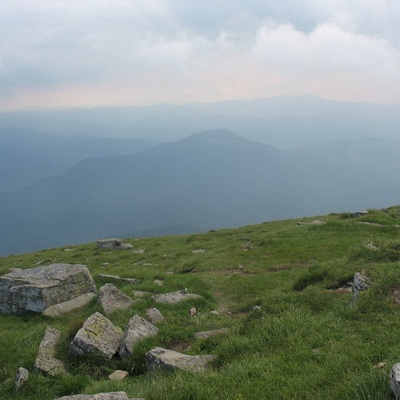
[306, 341]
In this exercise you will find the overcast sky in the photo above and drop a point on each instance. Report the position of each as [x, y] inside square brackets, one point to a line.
[113, 52]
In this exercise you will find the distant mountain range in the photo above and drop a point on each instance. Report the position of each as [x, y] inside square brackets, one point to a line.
[207, 180]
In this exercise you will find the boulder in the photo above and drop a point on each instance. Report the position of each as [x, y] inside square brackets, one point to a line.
[360, 283]
[20, 378]
[36, 289]
[111, 298]
[70, 305]
[154, 315]
[175, 297]
[46, 363]
[394, 379]
[98, 336]
[112, 244]
[207, 334]
[170, 360]
[137, 329]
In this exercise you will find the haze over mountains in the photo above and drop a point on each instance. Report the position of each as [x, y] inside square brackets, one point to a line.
[58, 189]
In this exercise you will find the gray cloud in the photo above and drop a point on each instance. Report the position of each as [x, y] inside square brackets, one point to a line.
[149, 51]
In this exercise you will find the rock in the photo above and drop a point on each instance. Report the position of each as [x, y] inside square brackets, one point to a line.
[193, 312]
[176, 297]
[111, 298]
[137, 329]
[99, 396]
[207, 334]
[134, 281]
[371, 246]
[360, 283]
[112, 244]
[198, 251]
[46, 363]
[359, 214]
[70, 305]
[159, 358]
[118, 375]
[20, 378]
[140, 293]
[154, 315]
[36, 289]
[257, 308]
[158, 282]
[394, 378]
[214, 312]
[99, 336]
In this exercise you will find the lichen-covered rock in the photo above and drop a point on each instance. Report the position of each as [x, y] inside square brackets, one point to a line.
[137, 329]
[111, 298]
[46, 363]
[70, 305]
[98, 336]
[20, 378]
[170, 360]
[36, 289]
[112, 244]
[154, 315]
[394, 379]
[176, 297]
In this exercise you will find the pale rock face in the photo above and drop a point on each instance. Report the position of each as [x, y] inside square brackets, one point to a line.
[36, 289]
[99, 336]
[170, 360]
[137, 329]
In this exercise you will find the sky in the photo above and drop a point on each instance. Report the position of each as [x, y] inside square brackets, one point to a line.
[87, 53]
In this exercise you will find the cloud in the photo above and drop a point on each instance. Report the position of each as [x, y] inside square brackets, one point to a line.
[146, 51]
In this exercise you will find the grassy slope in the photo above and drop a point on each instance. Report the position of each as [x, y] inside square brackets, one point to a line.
[305, 343]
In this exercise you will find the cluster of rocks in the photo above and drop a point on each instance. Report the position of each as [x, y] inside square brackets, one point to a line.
[58, 288]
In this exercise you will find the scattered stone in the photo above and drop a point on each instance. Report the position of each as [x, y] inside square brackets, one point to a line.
[139, 251]
[112, 299]
[158, 282]
[159, 358]
[140, 293]
[176, 297]
[118, 375]
[207, 334]
[198, 251]
[154, 315]
[359, 214]
[46, 363]
[395, 380]
[112, 244]
[360, 283]
[381, 364]
[214, 312]
[371, 246]
[137, 329]
[99, 336]
[193, 312]
[70, 305]
[20, 378]
[98, 396]
[257, 308]
[119, 278]
[36, 289]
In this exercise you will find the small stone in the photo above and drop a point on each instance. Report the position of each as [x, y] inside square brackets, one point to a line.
[257, 308]
[158, 282]
[134, 281]
[20, 378]
[154, 315]
[214, 312]
[371, 246]
[118, 375]
[198, 251]
[139, 251]
[70, 305]
[394, 378]
[193, 312]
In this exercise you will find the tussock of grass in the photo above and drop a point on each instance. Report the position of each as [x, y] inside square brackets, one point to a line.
[306, 342]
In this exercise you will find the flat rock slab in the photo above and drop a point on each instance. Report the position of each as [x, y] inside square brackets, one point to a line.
[207, 334]
[118, 375]
[170, 360]
[112, 244]
[98, 396]
[175, 297]
[70, 305]
[137, 329]
[46, 363]
[134, 281]
[112, 299]
[99, 336]
[36, 289]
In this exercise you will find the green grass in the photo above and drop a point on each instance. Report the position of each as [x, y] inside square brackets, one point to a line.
[306, 342]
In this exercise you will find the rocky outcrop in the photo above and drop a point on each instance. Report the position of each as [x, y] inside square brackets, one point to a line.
[46, 363]
[112, 244]
[207, 334]
[111, 298]
[137, 329]
[70, 305]
[99, 396]
[170, 360]
[98, 336]
[36, 289]
[154, 315]
[360, 283]
[176, 297]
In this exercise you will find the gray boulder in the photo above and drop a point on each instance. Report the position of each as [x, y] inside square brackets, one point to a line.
[46, 363]
[137, 329]
[36, 289]
[176, 297]
[170, 360]
[20, 378]
[394, 379]
[98, 336]
[111, 298]
[112, 244]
